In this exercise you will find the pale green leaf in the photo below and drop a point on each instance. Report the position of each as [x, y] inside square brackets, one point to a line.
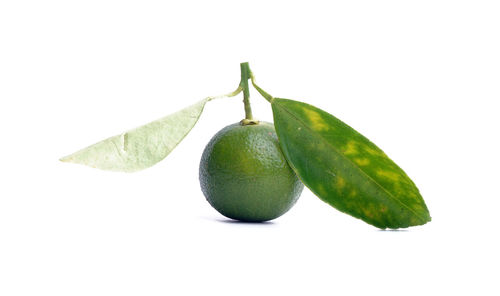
[141, 147]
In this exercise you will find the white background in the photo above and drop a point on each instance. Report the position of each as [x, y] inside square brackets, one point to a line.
[419, 78]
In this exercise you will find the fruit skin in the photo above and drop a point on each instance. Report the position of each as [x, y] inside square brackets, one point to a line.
[245, 176]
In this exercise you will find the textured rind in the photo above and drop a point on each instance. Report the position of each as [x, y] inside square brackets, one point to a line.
[244, 175]
[345, 169]
[141, 147]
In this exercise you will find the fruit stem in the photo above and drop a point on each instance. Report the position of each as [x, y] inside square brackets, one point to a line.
[246, 74]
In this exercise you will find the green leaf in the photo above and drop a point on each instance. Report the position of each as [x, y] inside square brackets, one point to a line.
[345, 169]
[141, 147]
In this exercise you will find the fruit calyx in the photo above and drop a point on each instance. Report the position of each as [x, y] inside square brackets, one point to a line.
[249, 122]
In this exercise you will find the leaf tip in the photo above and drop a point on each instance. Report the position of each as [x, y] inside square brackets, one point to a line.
[65, 159]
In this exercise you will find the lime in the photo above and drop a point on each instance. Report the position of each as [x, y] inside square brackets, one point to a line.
[245, 176]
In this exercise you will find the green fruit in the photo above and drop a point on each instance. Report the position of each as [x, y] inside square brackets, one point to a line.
[244, 175]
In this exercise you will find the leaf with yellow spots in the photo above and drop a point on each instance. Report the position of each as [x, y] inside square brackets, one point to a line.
[345, 169]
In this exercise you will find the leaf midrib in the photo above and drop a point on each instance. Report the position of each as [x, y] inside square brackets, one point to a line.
[352, 163]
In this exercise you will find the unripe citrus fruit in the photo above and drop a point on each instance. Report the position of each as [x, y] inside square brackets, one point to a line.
[244, 174]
